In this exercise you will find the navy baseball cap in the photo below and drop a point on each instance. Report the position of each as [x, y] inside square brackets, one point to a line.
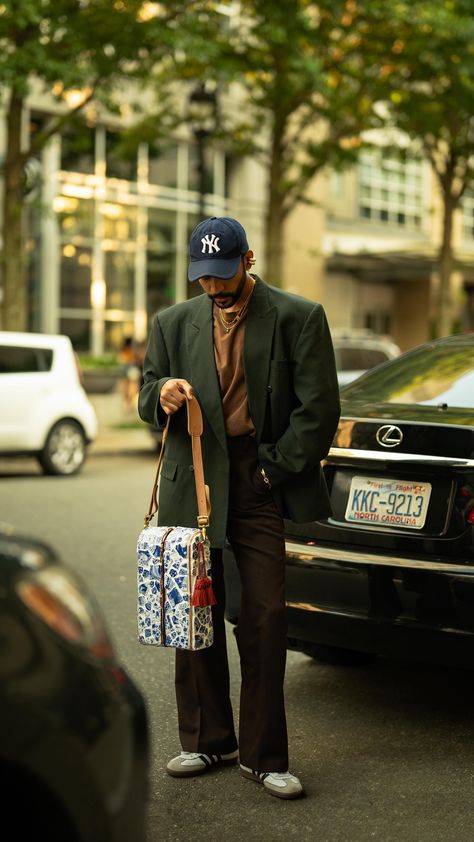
[216, 248]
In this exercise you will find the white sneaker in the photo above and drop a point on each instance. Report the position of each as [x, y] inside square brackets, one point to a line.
[190, 763]
[281, 784]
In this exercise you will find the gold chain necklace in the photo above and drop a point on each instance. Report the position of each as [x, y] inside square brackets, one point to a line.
[237, 316]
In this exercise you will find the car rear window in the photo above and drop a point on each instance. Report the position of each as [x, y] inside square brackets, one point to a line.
[429, 375]
[358, 359]
[16, 360]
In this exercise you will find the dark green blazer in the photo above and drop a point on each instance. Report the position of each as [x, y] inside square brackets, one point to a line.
[293, 399]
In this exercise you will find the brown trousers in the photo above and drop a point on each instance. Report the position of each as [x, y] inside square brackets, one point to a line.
[255, 532]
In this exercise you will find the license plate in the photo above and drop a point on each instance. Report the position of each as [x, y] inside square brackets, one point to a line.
[381, 502]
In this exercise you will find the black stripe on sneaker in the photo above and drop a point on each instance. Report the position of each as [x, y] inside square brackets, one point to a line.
[260, 775]
[205, 759]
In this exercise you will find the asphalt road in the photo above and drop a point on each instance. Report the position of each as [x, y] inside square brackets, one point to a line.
[385, 752]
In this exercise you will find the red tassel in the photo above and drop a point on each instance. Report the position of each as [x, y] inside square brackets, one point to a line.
[203, 593]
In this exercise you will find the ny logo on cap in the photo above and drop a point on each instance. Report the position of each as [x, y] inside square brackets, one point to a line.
[211, 243]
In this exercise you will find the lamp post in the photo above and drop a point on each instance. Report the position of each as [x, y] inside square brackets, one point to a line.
[202, 108]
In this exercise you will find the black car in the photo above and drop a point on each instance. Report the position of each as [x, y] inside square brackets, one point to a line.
[74, 742]
[392, 571]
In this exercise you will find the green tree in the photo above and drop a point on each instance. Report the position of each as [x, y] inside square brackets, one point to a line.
[297, 69]
[315, 75]
[84, 47]
[426, 64]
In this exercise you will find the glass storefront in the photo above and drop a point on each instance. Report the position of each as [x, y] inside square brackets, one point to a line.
[75, 289]
[79, 331]
[118, 162]
[75, 217]
[122, 225]
[119, 280]
[161, 258]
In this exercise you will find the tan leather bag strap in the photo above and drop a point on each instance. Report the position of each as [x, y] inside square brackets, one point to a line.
[202, 491]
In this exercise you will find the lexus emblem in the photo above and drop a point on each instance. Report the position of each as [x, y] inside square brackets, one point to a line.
[389, 436]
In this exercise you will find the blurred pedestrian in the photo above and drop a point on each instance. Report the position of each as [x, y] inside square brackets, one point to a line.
[131, 372]
[140, 358]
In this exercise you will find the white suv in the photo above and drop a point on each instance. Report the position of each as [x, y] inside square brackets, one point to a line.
[45, 411]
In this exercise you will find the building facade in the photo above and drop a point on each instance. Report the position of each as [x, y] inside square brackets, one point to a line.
[373, 264]
[108, 236]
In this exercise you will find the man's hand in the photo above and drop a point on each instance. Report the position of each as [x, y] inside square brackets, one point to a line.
[174, 394]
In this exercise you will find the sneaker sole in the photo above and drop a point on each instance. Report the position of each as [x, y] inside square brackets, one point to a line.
[192, 773]
[286, 796]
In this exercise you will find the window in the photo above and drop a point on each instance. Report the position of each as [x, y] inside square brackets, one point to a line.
[79, 332]
[159, 287]
[358, 359]
[378, 322]
[163, 166]
[161, 256]
[336, 183]
[120, 280]
[390, 190]
[161, 231]
[75, 217]
[77, 148]
[118, 162]
[120, 221]
[115, 333]
[75, 277]
[15, 360]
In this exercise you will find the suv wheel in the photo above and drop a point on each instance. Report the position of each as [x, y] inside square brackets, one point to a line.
[65, 449]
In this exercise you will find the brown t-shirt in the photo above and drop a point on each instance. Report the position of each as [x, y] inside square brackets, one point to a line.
[228, 352]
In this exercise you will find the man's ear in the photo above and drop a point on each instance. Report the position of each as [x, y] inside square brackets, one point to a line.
[249, 259]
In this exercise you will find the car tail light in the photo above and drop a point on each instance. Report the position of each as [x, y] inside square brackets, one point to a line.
[55, 596]
[470, 516]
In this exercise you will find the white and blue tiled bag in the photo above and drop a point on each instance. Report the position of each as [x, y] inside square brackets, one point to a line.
[168, 566]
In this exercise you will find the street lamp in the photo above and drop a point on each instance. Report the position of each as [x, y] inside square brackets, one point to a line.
[202, 110]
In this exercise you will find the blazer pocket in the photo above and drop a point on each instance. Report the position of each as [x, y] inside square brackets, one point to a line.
[279, 377]
[168, 469]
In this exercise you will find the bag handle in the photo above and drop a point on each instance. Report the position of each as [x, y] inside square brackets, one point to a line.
[195, 427]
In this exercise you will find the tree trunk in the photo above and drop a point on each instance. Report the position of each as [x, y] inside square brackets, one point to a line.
[274, 215]
[444, 305]
[14, 301]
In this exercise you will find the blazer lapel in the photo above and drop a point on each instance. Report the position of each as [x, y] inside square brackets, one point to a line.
[200, 347]
[259, 329]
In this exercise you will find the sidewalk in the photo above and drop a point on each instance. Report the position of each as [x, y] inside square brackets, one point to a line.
[120, 431]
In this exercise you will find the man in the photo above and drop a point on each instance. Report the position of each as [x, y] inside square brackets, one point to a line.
[261, 364]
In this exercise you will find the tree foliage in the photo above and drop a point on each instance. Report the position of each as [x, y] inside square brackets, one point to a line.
[303, 98]
[300, 82]
[76, 51]
[426, 58]
[315, 74]
[297, 69]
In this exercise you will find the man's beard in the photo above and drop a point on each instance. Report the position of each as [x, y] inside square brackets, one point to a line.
[230, 298]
